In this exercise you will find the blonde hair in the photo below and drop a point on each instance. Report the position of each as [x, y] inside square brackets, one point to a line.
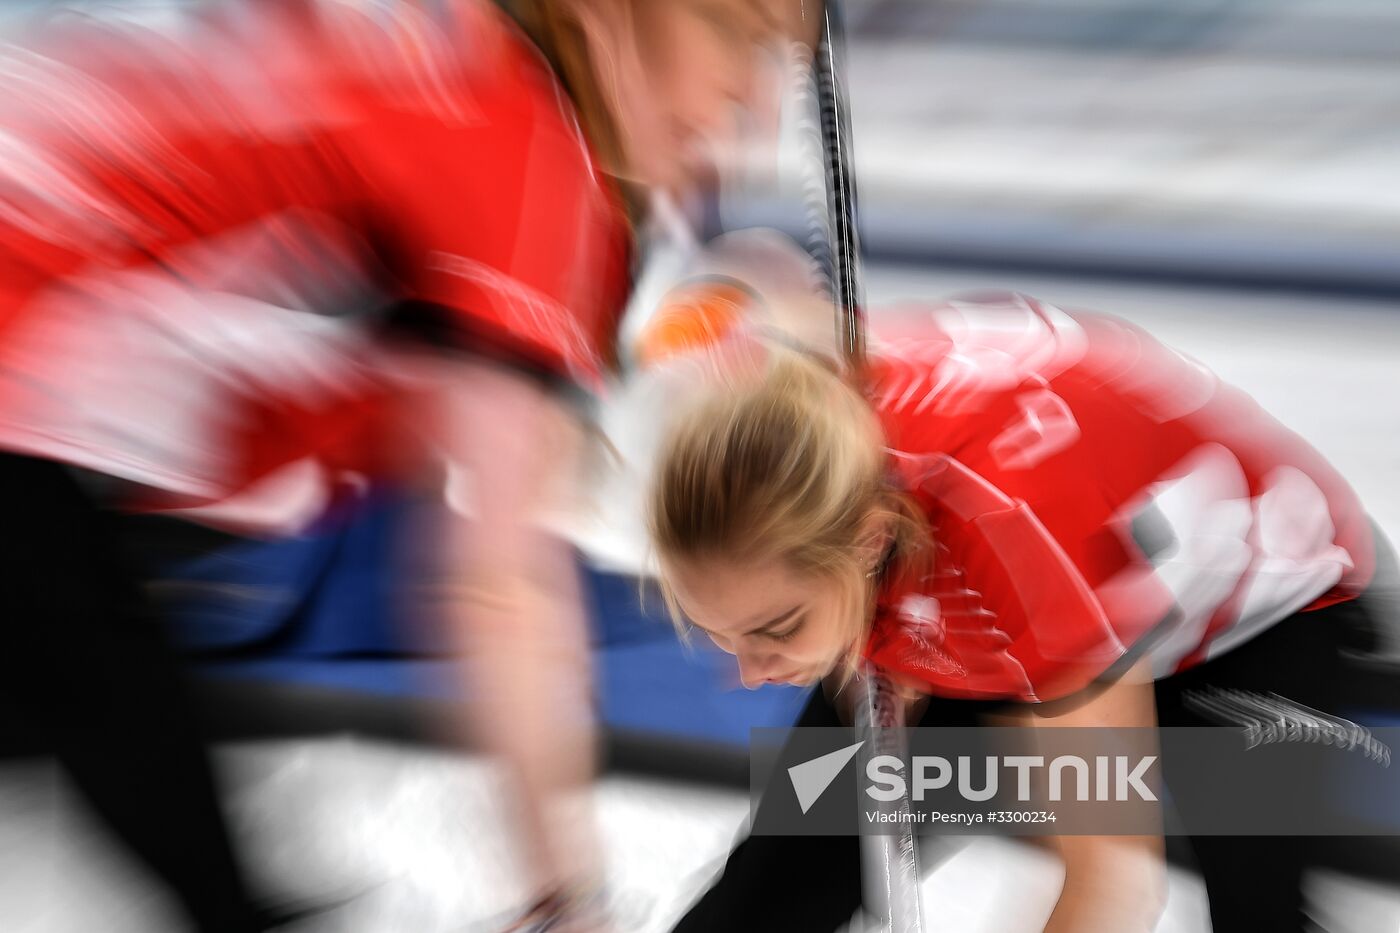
[787, 464]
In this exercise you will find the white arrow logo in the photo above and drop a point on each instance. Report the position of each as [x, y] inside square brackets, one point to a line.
[811, 778]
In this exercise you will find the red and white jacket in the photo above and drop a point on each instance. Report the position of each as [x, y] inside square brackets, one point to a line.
[1093, 495]
[190, 203]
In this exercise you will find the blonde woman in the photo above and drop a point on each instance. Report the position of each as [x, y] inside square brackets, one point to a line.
[1012, 511]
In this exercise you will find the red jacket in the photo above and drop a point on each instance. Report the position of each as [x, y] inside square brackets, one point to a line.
[187, 205]
[1091, 493]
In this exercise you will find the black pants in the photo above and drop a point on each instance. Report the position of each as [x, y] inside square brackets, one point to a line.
[813, 884]
[94, 678]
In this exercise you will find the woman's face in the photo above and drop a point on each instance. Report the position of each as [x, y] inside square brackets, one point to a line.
[701, 65]
[781, 626]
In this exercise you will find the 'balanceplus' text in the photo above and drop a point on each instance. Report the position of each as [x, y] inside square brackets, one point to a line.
[1101, 778]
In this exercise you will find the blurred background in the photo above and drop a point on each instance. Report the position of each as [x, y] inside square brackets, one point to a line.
[1224, 172]
[1243, 141]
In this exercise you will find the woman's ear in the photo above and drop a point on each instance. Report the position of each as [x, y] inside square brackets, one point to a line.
[798, 20]
[873, 540]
